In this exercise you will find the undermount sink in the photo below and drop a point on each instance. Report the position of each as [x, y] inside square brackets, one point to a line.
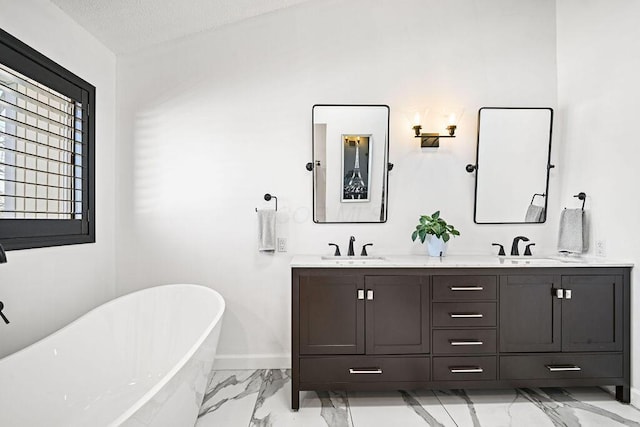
[354, 260]
[529, 260]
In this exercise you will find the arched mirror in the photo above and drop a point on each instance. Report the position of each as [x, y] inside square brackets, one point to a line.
[512, 165]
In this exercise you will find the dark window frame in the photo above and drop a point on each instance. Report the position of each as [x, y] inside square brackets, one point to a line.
[38, 233]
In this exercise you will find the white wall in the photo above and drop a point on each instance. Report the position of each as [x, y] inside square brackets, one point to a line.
[208, 124]
[599, 97]
[44, 289]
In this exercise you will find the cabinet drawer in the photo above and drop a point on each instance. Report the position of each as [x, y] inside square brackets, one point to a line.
[561, 366]
[465, 368]
[363, 369]
[464, 341]
[464, 287]
[464, 314]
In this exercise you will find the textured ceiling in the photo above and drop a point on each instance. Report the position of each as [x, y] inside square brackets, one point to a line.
[125, 26]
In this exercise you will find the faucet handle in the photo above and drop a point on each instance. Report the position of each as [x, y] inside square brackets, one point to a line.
[501, 251]
[527, 249]
[337, 252]
[364, 249]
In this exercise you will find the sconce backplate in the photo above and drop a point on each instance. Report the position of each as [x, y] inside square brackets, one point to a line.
[430, 140]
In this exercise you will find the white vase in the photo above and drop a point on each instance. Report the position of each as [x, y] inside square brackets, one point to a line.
[436, 246]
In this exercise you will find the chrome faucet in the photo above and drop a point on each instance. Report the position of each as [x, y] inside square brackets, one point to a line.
[351, 252]
[514, 246]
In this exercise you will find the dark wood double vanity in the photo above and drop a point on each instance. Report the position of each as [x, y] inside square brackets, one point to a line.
[484, 323]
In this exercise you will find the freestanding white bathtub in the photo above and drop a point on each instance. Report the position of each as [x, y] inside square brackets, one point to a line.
[143, 359]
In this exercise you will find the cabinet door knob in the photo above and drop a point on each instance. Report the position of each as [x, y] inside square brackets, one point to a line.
[560, 293]
[370, 294]
[360, 294]
[567, 293]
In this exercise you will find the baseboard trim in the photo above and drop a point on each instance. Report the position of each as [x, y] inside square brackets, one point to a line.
[635, 397]
[252, 361]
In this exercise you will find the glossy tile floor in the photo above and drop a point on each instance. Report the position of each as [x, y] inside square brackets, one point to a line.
[262, 399]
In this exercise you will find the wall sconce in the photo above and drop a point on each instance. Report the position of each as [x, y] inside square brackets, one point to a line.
[452, 117]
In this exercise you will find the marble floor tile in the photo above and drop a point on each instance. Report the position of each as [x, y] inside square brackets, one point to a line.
[230, 398]
[262, 398]
[317, 409]
[495, 408]
[397, 408]
[580, 407]
[583, 407]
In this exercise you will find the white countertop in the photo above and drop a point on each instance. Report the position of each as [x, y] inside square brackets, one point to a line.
[452, 261]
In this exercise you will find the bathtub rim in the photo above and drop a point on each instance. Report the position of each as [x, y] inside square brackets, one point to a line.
[146, 397]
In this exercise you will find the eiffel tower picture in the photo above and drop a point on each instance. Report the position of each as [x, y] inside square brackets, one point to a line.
[355, 188]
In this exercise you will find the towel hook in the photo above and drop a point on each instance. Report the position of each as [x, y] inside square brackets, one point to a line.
[268, 198]
[581, 196]
[537, 194]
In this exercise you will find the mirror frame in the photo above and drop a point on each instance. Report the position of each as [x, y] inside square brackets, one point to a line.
[549, 166]
[387, 165]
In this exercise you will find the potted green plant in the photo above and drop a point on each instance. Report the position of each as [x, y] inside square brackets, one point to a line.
[436, 232]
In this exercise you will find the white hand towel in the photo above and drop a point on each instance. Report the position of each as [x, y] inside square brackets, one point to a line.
[266, 230]
[573, 236]
[534, 213]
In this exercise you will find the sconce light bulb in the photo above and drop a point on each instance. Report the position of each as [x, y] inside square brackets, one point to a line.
[416, 119]
[452, 119]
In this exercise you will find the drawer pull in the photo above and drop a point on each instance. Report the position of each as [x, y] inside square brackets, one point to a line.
[466, 342]
[466, 288]
[466, 369]
[465, 315]
[562, 368]
[365, 371]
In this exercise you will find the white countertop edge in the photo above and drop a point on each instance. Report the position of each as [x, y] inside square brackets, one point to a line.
[458, 261]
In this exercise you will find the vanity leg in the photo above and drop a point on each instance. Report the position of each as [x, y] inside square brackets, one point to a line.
[623, 394]
[295, 398]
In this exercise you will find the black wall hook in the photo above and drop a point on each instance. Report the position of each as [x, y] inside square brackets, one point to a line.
[268, 197]
[581, 196]
[2, 314]
[537, 194]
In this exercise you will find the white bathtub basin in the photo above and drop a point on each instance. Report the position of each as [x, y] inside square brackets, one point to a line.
[139, 360]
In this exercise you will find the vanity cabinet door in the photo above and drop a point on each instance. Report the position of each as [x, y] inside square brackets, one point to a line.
[530, 313]
[332, 314]
[397, 314]
[592, 316]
